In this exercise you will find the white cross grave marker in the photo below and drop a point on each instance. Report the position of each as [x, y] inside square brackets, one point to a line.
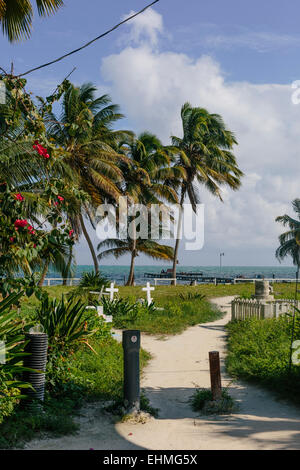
[148, 289]
[111, 291]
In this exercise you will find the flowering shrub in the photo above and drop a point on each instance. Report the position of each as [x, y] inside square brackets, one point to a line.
[40, 149]
[23, 238]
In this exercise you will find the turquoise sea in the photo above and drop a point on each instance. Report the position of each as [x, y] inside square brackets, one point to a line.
[120, 273]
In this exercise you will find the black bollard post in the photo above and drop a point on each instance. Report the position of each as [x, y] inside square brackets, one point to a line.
[131, 346]
[37, 345]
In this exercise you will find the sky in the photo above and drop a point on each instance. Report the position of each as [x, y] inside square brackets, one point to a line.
[237, 59]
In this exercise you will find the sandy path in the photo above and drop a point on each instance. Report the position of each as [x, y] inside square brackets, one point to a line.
[179, 364]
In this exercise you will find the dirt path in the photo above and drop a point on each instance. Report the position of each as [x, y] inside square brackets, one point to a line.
[179, 364]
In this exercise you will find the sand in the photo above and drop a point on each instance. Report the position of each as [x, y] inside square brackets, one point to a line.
[179, 364]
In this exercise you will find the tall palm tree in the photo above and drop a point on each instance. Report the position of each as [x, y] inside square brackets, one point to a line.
[84, 130]
[16, 16]
[204, 152]
[290, 240]
[148, 166]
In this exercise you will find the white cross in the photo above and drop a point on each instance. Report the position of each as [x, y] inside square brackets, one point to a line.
[148, 289]
[111, 290]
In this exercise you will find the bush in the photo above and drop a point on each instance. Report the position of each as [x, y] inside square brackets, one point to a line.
[93, 280]
[202, 400]
[126, 312]
[90, 281]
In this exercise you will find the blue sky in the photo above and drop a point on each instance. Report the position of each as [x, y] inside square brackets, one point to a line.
[235, 58]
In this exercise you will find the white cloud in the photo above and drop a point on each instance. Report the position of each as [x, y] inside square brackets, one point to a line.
[143, 28]
[151, 89]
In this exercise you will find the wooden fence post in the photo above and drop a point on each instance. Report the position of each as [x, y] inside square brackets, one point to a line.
[215, 375]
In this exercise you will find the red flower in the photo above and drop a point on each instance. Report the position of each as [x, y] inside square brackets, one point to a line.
[71, 233]
[20, 223]
[40, 149]
[11, 239]
[19, 197]
[31, 230]
[60, 198]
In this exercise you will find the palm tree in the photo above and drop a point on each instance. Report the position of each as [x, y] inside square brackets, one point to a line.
[290, 240]
[151, 248]
[16, 16]
[204, 152]
[84, 130]
[148, 166]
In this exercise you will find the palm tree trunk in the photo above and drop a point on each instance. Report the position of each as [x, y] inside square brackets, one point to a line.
[44, 272]
[67, 271]
[130, 279]
[133, 255]
[89, 241]
[175, 258]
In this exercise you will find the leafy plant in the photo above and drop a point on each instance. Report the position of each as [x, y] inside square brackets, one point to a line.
[90, 281]
[93, 279]
[122, 310]
[202, 400]
[12, 349]
[65, 321]
[192, 296]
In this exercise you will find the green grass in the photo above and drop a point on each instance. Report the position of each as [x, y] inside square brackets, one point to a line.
[165, 294]
[175, 317]
[258, 351]
[169, 293]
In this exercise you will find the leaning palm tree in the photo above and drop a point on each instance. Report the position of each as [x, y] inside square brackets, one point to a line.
[118, 248]
[84, 130]
[204, 152]
[16, 16]
[290, 240]
[148, 166]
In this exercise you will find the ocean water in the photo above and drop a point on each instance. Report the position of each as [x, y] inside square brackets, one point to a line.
[120, 273]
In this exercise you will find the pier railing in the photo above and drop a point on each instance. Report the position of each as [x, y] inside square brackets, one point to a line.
[70, 281]
[156, 279]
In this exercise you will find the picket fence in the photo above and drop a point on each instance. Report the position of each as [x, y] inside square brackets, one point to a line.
[252, 308]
